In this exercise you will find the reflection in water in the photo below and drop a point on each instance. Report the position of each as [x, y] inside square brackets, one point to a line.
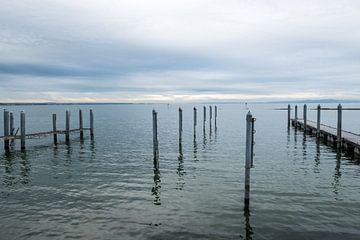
[317, 158]
[9, 178]
[204, 140]
[337, 175]
[156, 188]
[304, 147]
[195, 150]
[248, 229]
[180, 172]
[25, 169]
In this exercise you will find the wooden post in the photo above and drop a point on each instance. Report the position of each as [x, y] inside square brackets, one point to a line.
[6, 130]
[296, 115]
[195, 122]
[67, 127]
[81, 125]
[252, 141]
[12, 124]
[204, 118]
[305, 118]
[289, 115]
[318, 121]
[91, 124]
[22, 129]
[54, 128]
[215, 117]
[339, 127]
[248, 160]
[180, 127]
[155, 140]
[210, 114]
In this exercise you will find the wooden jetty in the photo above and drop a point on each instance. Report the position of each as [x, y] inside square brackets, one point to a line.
[9, 135]
[336, 136]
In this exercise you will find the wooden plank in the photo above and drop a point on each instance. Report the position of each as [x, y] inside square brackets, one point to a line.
[42, 134]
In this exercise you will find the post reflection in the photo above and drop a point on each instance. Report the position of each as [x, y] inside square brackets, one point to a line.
[157, 187]
[248, 229]
[25, 169]
[317, 158]
[337, 174]
[9, 178]
[180, 171]
[195, 150]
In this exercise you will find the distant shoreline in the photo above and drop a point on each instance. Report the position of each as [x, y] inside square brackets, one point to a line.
[149, 103]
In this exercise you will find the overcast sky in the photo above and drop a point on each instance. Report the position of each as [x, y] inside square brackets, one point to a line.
[183, 50]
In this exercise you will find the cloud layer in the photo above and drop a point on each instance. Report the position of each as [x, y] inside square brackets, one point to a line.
[167, 50]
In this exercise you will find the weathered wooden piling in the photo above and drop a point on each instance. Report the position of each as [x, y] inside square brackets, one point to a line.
[318, 121]
[180, 127]
[155, 140]
[305, 117]
[6, 130]
[12, 124]
[339, 127]
[91, 124]
[215, 117]
[54, 128]
[289, 115]
[204, 118]
[22, 130]
[252, 141]
[195, 121]
[210, 115]
[249, 120]
[67, 127]
[296, 115]
[81, 126]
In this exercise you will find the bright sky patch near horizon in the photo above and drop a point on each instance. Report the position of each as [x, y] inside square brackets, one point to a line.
[174, 51]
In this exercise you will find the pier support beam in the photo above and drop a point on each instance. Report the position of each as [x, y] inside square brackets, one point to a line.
[155, 140]
[81, 126]
[54, 128]
[91, 124]
[289, 115]
[249, 121]
[210, 115]
[204, 120]
[180, 127]
[215, 118]
[22, 130]
[6, 130]
[318, 121]
[339, 127]
[195, 122]
[305, 117]
[296, 116]
[67, 127]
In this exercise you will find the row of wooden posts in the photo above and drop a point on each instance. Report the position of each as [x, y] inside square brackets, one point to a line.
[249, 153]
[10, 135]
[155, 129]
[318, 129]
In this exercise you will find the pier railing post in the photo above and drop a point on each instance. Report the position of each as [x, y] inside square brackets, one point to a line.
[180, 127]
[6, 130]
[249, 120]
[54, 128]
[318, 121]
[289, 115]
[339, 126]
[155, 140]
[81, 125]
[22, 130]
[296, 116]
[305, 118]
[91, 124]
[195, 122]
[67, 127]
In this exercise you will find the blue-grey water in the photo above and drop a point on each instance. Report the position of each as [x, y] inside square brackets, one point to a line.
[107, 188]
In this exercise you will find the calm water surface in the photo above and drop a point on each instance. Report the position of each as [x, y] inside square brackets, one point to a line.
[107, 188]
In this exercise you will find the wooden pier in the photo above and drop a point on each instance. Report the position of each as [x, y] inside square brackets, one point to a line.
[9, 136]
[335, 136]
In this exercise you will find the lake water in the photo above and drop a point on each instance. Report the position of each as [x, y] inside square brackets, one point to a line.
[107, 188]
